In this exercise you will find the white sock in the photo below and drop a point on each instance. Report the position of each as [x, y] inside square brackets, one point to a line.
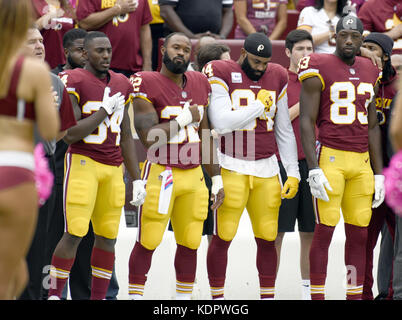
[183, 296]
[135, 296]
[305, 289]
[184, 290]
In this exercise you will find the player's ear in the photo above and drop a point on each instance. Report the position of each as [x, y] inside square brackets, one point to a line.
[287, 51]
[243, 54]
[163, 49]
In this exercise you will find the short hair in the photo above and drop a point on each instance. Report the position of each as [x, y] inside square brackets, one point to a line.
[71, 35]
[209, 52]
[295, 36]
[93, 35]
[170, 35]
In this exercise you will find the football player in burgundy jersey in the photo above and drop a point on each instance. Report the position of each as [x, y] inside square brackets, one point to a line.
[249, 111]
[337, 95]
[26, 101]
[381, 45]
[93, 183]
[169, 112]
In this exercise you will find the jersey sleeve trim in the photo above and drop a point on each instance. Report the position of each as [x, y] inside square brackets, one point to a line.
[220, 82]
[73, 92]
[140, 96]
[129, 99]
[310, 73]
[378, 78]
[283, 92]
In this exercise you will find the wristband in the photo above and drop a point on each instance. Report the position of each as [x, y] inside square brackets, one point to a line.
[217, 184]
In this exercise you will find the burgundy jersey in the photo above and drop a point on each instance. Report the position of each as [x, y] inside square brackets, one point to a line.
[103, 144]
[182, 150]
[382, 16]
[243, 91]
[386, 93]
[262, 15]
[346, 93]
[123, 31]
[53, 33]
[11, 105]
[66, 112]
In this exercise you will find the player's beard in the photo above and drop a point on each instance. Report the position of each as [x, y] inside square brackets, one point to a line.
[72, 63]
[348, 54]
[174, 67]
[251, 73]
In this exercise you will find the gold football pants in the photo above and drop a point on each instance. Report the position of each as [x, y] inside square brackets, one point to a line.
[95, 192]
[187, 211]
[352, 181]
[261, 197]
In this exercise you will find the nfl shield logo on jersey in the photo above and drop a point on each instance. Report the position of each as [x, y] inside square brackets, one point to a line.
[352, 71]
[236, 77]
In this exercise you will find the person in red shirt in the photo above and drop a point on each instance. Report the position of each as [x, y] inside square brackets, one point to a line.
[94, 189]
[126, 23]
[54, 18]
[340, 101]
[381, 45]
[175, 185]
[249, 112]
[269, 17]
[383, 16]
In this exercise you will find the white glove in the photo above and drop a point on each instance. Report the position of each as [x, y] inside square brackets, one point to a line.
[379, 190]
[185, 117]
[119, 106]
[217, 184]
[120, 103]
[110, 104]
[318, 183]
[139, 193]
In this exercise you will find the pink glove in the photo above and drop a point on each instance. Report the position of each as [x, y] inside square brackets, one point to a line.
[43, 176]
[393, 183]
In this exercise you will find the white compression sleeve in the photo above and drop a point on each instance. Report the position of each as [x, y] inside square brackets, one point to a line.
[285, 139]
[221, 115]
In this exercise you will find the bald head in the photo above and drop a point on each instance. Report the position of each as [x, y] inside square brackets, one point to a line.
[204, 41]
